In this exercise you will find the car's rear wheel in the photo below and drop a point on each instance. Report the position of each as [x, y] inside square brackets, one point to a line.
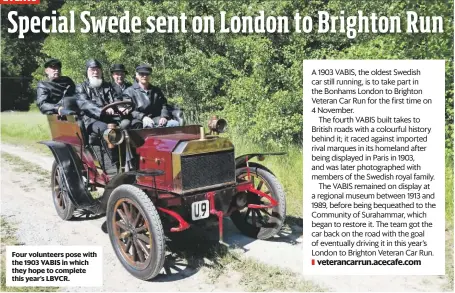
[266, 222]
[63, 205]
[136, 232]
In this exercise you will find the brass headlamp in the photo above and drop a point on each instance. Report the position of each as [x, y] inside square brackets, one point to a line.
[216, 125]
[113, 135]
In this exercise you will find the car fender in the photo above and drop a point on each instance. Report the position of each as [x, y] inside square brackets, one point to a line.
[130, 178]
[71, 164]
[117, 180]
[240, 161]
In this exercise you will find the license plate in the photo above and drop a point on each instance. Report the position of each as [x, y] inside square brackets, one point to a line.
[200, 210]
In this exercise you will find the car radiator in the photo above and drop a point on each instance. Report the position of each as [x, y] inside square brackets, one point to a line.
[209, 169]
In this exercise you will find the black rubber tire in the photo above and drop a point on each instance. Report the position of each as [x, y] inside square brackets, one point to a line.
[278, 212]
[148, 210]
[67, 212]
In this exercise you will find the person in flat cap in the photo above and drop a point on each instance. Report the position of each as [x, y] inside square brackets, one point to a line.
[119, 84]
[49, 92]
[151, 105]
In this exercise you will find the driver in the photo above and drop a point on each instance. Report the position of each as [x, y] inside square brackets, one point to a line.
[98, 93]
[151, 105]
[50, 92]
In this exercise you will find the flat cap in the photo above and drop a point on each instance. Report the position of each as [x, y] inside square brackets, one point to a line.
[51, 62]
[93, 63]
[144, 68]
[118, 67]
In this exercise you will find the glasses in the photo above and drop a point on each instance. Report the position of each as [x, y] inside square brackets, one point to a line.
[143, 74]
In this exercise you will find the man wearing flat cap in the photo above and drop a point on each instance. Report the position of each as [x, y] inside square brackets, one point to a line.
[118, 73]
[151, 105]
[50, 92]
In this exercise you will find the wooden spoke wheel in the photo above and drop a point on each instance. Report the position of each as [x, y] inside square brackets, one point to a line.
[266, 222]
[136, 232]
[63, 205]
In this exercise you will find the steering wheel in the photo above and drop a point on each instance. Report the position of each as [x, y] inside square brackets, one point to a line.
[127, 105]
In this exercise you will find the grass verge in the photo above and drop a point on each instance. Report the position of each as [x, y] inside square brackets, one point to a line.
[449, 286]
[255, 276]
[449, 185]
[20, 165]
[8, 238]
[25, 129]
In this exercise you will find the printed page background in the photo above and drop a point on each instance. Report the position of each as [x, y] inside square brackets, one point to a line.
[252, 80]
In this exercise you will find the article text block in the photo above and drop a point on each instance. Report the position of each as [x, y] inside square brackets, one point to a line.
[374, 181]
[58, 266]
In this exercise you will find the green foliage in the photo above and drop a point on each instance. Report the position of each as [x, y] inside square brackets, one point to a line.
[253, 80]
[21, 57]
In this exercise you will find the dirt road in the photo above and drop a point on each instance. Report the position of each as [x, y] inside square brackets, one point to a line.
[25, 200]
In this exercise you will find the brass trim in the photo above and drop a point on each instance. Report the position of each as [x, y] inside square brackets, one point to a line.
[204, 146]
[193, 147]
[202, 131]
[176, 165]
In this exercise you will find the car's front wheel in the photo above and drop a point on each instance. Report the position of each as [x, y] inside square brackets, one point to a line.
[136, 231]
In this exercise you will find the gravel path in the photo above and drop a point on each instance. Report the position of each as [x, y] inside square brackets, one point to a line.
[21, 195]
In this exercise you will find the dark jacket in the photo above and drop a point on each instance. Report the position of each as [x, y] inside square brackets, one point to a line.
[119, 90]
[95, 99]
[50, 93]
[151, 103]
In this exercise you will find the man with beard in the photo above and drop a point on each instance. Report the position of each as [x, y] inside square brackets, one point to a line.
[118, 73]
[49, 93]
[99, 94]
[93, 94]
[151, 105]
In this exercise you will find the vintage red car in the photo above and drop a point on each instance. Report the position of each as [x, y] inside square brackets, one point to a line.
[168, 179]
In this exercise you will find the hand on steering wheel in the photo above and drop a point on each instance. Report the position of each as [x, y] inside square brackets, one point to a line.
[125, 111]
[122, 108]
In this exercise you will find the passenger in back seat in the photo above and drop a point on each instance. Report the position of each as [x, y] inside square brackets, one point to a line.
[49, 93]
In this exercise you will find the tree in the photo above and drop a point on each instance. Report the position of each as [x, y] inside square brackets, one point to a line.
[21, 57]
